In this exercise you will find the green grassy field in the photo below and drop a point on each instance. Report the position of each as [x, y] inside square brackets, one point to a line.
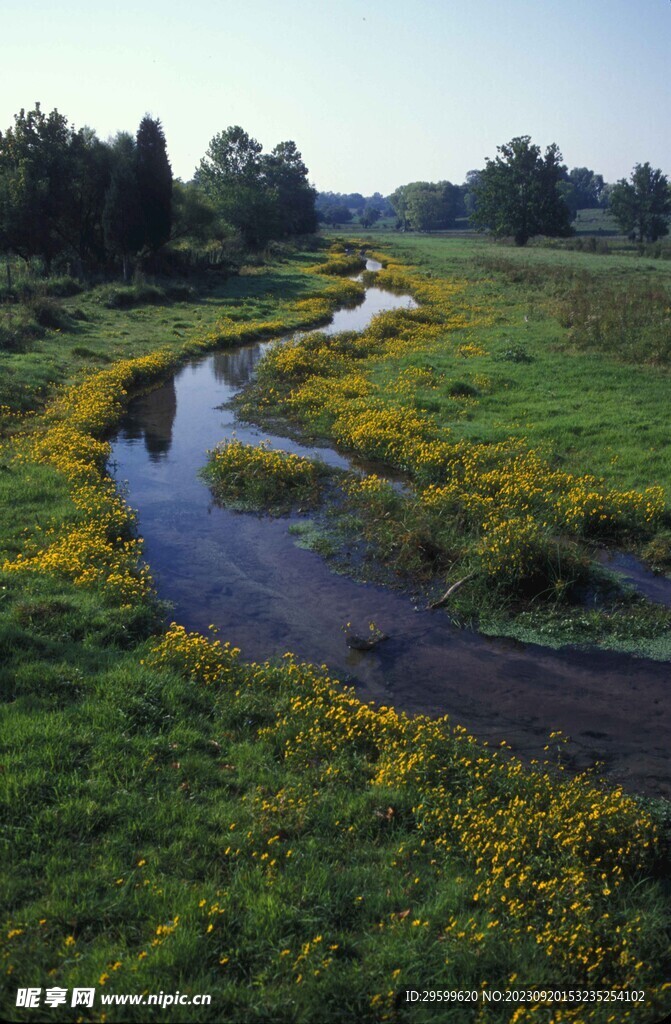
[174, 819]
[599, 414]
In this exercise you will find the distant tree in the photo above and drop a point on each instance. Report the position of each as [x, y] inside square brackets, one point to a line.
[91, 166]
[581, 189]
[154, 180]
[355, 201]
[123, 219]
[336, 214]
[399, 202]
[194, 214]
[469, 191]
[378, 202]
[370, 215]
[427, 206]
[432, 207]
[642, 205]
[518, 194]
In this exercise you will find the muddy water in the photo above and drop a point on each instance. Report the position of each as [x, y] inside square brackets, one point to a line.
[245, 574]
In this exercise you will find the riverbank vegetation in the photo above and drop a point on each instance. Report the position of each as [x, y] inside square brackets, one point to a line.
[175, 818]
[450, 394]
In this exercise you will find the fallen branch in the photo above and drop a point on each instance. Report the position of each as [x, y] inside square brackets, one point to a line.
[450, 591]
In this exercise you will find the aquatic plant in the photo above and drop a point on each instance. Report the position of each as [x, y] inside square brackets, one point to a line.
[257, 476]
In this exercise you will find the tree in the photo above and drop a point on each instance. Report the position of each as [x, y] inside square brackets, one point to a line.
[286, 179]
[336, 214]
[91, 168]
[154, 181]
[370, 216]
[642, 205]
[582, 189]
[36, 185]
[194, 214]
[231, 173]
[427, 205]
[399, 202]
[123, 220]
[517, 193]
[53, 181]
[469, 191]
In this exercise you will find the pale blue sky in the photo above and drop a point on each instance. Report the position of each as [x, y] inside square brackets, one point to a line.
[375, 93]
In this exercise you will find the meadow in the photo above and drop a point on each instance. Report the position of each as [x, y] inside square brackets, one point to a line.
[177, 819]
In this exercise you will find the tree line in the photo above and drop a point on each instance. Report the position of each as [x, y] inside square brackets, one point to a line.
[66, 196]
[523, 192]
[520, 193]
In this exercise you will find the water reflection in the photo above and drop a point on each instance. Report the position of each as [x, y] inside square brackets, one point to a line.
[235, 366]
[152, 421]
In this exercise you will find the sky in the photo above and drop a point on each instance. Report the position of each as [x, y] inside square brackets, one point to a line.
[375, 93]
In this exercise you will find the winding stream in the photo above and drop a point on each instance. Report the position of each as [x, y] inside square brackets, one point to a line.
[246, 575]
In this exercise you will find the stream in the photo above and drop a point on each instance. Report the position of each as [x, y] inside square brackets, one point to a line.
[245, 574]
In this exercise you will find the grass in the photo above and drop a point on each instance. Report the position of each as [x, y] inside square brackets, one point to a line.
[94, 334]
[596, 414]
[176, 819]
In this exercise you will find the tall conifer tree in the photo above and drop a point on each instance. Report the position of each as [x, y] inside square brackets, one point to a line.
[154, 177]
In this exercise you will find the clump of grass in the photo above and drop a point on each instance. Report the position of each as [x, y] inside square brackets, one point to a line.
[396, 529]
[657, 552]
[17, 329]
[261, 478]
[47, 312]
[516, 354]
[635, 626]
[25, 322]
[128, 296]
[462, 389]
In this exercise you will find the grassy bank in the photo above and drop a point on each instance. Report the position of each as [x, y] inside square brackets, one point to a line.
[176, 819]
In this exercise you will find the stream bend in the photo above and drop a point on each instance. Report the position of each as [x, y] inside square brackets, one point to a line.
[245, 574]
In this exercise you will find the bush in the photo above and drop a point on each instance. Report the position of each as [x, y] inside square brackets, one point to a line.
[180, 293]
[24, 288]
[143, 294]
